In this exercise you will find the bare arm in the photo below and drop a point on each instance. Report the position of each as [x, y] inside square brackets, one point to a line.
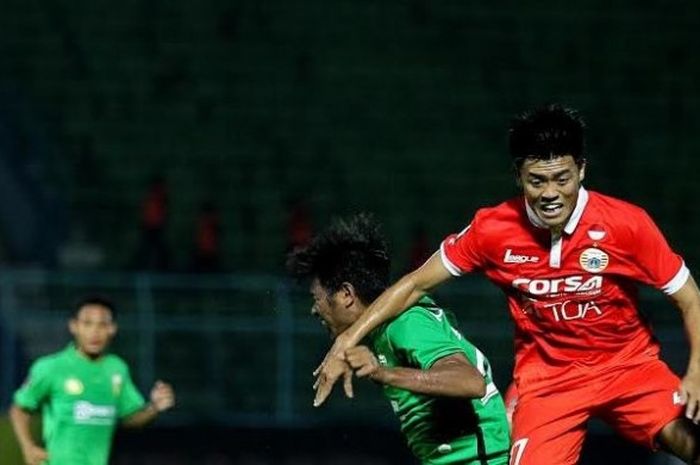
[389, 304]
[141, 418]
[394, 300]
[450, 376]
[687, 299]
[21, 421]
[162, 399]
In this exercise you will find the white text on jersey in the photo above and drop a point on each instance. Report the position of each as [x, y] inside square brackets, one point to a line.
[570, 284]
[510, 257]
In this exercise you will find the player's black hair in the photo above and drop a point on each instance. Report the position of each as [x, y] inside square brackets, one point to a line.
[351, 250]
[547, 132]
[94, 300]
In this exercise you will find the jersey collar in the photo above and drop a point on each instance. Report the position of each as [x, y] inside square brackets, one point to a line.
[574, 219]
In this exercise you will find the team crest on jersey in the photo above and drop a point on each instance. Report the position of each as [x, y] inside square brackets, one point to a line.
[73, 386]
[382, 360]
[117, 383]
[594, 260]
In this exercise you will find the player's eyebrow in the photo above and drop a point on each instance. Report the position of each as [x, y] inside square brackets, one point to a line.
[556, 175]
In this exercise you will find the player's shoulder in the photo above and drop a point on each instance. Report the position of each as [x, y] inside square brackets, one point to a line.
[115, 361]
[49, 362]
[603, 202]
[617, 213]
[508, 210]
[425, 310]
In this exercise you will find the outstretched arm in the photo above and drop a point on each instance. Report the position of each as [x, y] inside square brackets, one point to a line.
[687, 299]
[450, 376]
[389, 304]
[32, 453]
[162, 399]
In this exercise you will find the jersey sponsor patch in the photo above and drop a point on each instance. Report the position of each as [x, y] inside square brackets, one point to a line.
[73, 386]
[510, 257]
[594, 260]
[87, 413]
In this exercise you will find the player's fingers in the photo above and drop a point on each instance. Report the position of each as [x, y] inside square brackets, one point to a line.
[319, 368]
[322, 392]
[364, 371]
[690, 407]
[347, 384]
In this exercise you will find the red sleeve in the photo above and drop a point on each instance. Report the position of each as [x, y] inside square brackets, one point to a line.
[657, 264]
[461, 252]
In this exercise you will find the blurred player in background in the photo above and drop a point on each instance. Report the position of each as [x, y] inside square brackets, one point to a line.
[568, 261]
[438, 383]
[82, 392]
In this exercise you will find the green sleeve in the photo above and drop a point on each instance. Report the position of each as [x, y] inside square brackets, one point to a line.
[131, 400]
[421, 337]
[36, 388]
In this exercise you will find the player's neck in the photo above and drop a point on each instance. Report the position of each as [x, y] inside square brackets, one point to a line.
[89, 356]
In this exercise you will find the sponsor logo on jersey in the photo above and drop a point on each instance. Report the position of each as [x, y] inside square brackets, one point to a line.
[510, 257]
[73, 386]
[596, 233]
[117, 383]
[594, 260]
[579, 285]
[572, 310]
[87, 413]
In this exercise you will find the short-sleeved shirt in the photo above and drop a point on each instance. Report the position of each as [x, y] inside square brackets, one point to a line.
[572, 296]
[441, 430]
[81, 401]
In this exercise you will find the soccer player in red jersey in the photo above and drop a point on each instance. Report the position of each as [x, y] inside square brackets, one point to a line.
[568, 261]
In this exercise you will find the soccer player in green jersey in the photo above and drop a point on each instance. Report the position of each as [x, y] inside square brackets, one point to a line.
[438, 383]
[82, 393]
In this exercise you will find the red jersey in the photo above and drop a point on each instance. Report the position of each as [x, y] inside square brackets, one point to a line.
[573, 297]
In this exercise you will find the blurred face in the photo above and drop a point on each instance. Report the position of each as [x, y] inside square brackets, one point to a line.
[335, 311]
[93, 329]
[551, 188]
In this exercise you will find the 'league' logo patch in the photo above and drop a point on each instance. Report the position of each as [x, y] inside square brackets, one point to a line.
[73, 386]
[594, 260]
[117, 383]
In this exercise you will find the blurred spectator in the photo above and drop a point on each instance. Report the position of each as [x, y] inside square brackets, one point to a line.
[78, 252]
[206, 256]
[153, 252]
[299, 228]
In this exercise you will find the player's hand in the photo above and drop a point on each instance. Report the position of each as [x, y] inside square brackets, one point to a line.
[363, 361]
[330, 370]
[34, 455]
[690, 394]
[162, 396]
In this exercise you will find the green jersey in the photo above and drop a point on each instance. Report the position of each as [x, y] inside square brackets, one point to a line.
[441, 430]
[81, 401]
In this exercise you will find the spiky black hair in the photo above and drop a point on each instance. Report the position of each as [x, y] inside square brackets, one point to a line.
[547, 132]
[351, 250]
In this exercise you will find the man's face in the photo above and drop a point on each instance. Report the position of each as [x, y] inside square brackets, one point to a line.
[93, 329]
[331, 309]
[551, 188]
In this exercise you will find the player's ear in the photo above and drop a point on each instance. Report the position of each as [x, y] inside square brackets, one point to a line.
[113, 329]
[582, 170]
[73, 326]
[347, 294]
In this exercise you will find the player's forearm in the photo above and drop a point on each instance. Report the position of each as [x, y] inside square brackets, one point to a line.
[441, 382]
[389, 304]
[141, 418]
[21, 424]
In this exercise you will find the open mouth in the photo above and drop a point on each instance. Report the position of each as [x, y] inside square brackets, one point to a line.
[551, 210]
